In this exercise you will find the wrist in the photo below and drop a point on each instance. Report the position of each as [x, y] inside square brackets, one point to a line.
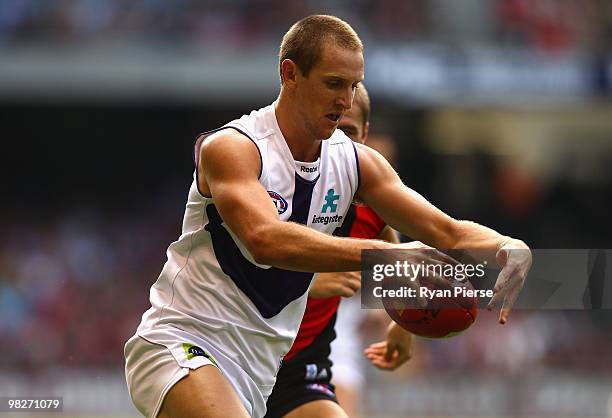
[512, 243]
[505, 242]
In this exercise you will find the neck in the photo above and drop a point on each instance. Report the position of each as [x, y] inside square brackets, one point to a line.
[303, 146]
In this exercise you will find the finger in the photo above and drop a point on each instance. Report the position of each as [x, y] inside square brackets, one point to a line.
[376, 351]
[500, 288]
[434, 256]
[354, 284]
[445, 258]
[381, 363]
[494, 302]
[504, 279]
[390, 352]
[346, 292]
[509, 300]
[378, 345]
[437, 281]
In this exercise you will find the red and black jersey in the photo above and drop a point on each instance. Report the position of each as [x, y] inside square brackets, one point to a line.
[317, 328]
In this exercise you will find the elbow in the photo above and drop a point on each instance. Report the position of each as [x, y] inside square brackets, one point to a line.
[264, 248]
[261, 253]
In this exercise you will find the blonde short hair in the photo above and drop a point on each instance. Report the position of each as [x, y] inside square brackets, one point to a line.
[304, 41]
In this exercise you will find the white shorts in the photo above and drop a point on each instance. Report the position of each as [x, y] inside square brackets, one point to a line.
[151, 369]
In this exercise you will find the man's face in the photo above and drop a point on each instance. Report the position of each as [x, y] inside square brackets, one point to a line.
[352, 124]
[327, 93]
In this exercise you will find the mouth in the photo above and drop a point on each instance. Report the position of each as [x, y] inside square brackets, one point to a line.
[334, 117]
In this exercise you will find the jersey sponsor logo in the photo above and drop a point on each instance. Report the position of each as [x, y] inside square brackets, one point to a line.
[194, 351]
[330, 206]
[279, 202]
[305, 169]
[330, 202]
[327, 219]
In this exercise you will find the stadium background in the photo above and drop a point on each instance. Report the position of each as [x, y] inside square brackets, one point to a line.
[499, 111]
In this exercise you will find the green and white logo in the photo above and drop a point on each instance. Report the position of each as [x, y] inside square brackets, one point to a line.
[330, 202]
[194, 351]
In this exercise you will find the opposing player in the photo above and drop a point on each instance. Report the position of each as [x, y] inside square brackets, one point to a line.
[303, 386]
[269, 190]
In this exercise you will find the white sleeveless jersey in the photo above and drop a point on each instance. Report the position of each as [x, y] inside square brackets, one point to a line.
[211, 292]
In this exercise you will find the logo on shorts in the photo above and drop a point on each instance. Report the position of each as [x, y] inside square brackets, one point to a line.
[194, 351]
[279, 202]
[311, 371]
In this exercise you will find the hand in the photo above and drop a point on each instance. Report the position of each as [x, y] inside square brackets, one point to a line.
[394, 351]
[514, 257]
[327, 285]
[422, 257]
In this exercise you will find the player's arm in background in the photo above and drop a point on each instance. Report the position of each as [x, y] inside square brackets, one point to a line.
[396, 348]
[345, 284]
[228, 167]
[408, 212]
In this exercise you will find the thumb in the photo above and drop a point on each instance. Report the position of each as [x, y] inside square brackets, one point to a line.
[390, 350]
[501, 257]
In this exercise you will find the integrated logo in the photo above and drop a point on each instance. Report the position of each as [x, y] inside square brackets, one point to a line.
[330, 206]
[330, 202]
[279, 201]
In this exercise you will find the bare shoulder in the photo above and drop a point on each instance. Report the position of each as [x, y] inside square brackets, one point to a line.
[372, 163]
[226, 155]
[229, 148]
[227, 141]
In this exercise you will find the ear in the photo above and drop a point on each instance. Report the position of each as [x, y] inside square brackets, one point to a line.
[366, 130]
[289, 71]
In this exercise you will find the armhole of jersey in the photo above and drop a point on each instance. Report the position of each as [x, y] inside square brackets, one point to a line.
[198, 144]
[357, 166]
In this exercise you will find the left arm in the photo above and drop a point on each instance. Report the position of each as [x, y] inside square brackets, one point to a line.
[410, 213]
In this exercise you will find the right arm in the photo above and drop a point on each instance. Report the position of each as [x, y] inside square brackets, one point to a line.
[228, 170]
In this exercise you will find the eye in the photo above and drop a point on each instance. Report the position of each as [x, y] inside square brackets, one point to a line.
[333, 84]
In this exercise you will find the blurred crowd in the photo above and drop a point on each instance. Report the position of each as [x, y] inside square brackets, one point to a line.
[72, 292]
[547, 24]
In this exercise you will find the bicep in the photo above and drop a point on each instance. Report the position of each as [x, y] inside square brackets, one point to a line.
[401, 207]
[230, 165]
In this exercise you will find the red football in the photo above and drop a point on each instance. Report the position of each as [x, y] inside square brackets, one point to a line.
[445, 315]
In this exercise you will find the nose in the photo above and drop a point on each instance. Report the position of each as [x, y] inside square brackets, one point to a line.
[345, 99]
